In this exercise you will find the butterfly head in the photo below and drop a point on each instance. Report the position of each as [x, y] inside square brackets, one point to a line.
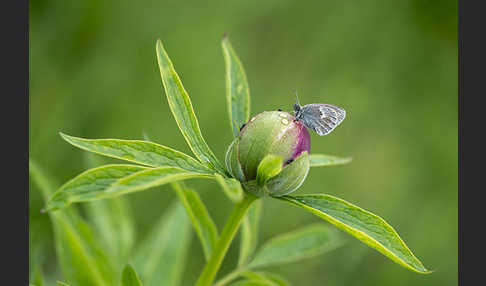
[296, 108]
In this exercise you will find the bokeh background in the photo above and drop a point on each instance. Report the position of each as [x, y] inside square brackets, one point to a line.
[391, 64]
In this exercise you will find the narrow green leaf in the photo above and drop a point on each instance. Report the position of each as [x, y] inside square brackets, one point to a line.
[181, 107]
[60, 283]
[365, 226]
[237, 90]
[113, 220]
[81, 257]
[89, 185]
[115, 180]
[150, 178]
[45, 183]
[267, 277]
[130, 277]
[231, 187]
[303, 243]
[320, 160]
[249, 232]
[269, 167]
[161, 256]
[140, 152]
[201, 221]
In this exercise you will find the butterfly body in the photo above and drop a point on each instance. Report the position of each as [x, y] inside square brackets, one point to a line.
[322, 118]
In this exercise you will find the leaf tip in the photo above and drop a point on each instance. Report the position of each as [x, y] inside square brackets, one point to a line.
[159, 45]
[225, 36]
[64, 136]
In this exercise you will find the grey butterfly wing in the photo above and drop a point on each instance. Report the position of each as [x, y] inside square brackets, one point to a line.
[322, 118]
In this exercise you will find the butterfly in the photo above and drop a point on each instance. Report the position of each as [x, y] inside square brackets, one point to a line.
[322, 118]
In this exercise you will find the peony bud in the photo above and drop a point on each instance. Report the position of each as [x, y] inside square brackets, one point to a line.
[270, 156]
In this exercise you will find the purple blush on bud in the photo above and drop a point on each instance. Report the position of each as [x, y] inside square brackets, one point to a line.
[303, 143]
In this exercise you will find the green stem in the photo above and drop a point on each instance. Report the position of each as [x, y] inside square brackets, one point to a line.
[212, 266]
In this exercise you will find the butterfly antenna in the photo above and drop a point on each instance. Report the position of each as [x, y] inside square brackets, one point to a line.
[297, 96]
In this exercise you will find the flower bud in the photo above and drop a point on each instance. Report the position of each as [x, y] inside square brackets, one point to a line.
[270, 156]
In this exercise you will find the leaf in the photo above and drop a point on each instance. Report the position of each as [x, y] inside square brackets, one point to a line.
[299, 244]
[115, 180]
[140, 152]
[80, 256]
[81, 252]
[60, 283]
[201, 221]
[231, 187]
[161, 256]
[365, 226]
[89, 185]
[249, 232]
[148, 179]
[237, 90]
[269, 167]
[130, 277]
[320, 160]
[181, 107]
[113, 220]
[266, 277]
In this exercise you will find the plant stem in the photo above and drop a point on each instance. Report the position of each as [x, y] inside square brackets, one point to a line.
[212, 266]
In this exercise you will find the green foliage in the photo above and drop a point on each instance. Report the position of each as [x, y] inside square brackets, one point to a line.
[94, 256]
[160, 258]
[80, 255]
[249, 232]
[270, 278]
[201, 221]
[237, 90]
[320, 160]
[130, 277]
[365, 226]
[140, 152]
[181, 107]
[391, 64]
[296, 245]
[299, 244]
[231, 187]
[113, 220]
[114, 180]
[90, 185]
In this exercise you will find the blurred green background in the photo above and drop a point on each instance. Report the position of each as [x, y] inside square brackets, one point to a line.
[391, 64]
